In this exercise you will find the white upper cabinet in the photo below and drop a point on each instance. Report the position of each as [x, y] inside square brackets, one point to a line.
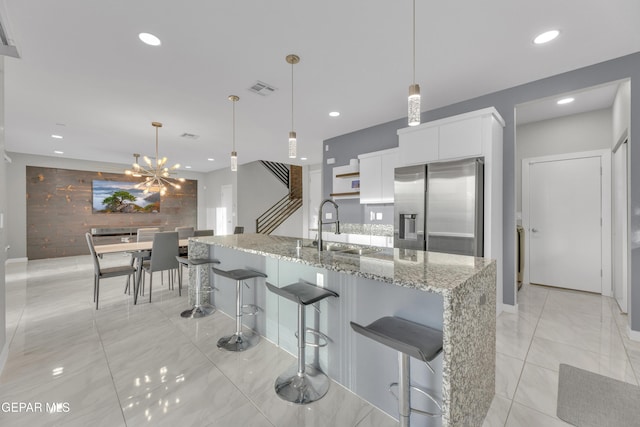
[457, 137]
[461, 139]
[377, 175]
[419, 147]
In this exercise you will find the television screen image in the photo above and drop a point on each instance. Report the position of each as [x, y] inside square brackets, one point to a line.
[123, 197]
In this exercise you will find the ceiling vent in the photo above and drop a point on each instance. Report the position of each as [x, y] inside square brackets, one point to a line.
[187, 135]
[262, 88]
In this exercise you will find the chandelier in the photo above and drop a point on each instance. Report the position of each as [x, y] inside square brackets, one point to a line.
[157, 176]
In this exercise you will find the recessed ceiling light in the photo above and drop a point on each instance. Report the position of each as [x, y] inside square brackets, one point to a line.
[546, 37]
[149, 39]
[56, 136]
[58, 152]
[211, 159]
[565, 101]
[303, 158]
[187, 167]
[334, 113]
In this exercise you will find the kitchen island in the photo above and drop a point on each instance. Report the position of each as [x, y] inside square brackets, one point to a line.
[450, 292]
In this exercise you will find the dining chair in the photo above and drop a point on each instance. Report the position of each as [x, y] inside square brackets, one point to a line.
[104, 273]
[202, 233]
[142, 235]
[184, 232]
[163, 257]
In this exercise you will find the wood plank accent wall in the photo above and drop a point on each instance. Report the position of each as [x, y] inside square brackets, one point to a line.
[59, 211]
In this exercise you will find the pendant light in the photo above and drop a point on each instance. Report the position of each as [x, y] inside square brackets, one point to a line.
[234, 154]
[293, 142]
[414, 89]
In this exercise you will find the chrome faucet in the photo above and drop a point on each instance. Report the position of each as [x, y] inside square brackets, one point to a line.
[320, 222]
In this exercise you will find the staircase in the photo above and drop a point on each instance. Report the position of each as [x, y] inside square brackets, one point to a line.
[291, 177]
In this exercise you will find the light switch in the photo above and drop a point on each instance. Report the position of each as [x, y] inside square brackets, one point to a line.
[372, 215]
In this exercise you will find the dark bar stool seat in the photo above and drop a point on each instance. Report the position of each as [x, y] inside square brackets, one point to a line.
[239, 341]
[303, 383]
[409, 339]
[199, 309]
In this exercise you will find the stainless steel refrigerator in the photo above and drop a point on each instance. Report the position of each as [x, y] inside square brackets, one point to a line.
[439, 207]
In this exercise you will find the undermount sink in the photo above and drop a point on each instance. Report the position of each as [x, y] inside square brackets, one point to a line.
[349, 249]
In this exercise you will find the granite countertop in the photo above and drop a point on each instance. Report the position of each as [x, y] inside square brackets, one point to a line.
[427, 271]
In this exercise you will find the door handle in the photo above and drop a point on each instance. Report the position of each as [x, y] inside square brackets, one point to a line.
[534, 230]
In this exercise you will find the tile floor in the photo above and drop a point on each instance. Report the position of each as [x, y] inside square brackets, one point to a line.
[126, 365]
[555, 326]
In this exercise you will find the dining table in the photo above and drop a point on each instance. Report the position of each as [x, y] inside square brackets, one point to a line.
[138, 250]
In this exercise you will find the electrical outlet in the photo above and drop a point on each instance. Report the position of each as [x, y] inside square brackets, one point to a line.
[320, 280]
[331, 161]
[378, 216]
[326, 147]
[372, 215]
[328, 215]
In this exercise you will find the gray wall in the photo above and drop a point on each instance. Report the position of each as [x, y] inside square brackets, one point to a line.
[258, 190]
[17, 210]
[349, 146]
[569, 134]
[3, 233]
[384, 136]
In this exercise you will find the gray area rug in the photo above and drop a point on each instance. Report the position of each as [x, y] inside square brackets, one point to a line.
[586, 399]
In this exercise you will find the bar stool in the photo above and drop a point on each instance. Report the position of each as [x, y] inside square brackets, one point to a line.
[199, 309]
[303, 383]
[239, 341]
[409, 339]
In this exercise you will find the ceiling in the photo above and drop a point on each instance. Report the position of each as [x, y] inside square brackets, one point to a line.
[83, 73]
[587, 99]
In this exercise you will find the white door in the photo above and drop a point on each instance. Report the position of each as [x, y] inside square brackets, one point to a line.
[314, 199]
[620, 210]
[565, 232]
[224, 212]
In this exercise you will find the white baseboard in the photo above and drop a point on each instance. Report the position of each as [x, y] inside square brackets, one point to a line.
[15, 260]
[509, 308]
[633, 335]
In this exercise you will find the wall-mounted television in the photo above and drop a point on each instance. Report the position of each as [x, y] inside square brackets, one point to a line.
[123, 197]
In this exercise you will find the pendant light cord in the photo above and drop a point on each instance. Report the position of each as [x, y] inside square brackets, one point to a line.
[414, 41]
[157, 156]
[234, 126]
[292, 128]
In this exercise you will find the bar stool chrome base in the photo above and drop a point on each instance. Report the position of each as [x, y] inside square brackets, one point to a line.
[199, 308]
[302, 388]
[238, 341]
[198, 311]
